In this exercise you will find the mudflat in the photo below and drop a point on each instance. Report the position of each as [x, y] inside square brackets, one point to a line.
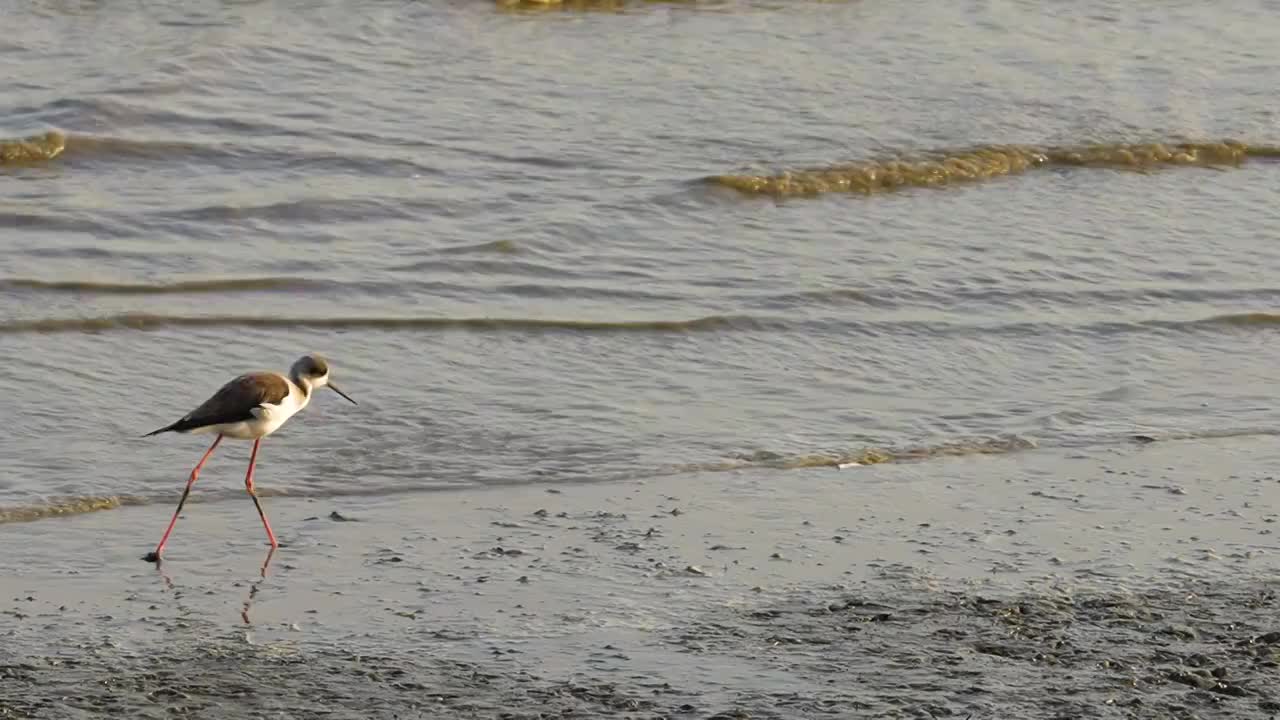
[1131, 581]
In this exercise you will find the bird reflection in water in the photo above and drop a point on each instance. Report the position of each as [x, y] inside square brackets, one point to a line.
[253, 587]
[248, 601]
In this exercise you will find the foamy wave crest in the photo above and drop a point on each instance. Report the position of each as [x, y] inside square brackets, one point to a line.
[33, 149]
[952, 167]
[866, 456]
[68, 506]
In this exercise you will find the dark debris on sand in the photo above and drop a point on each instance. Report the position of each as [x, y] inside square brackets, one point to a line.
[237, 680]
[1194, 651]
[1206, 651]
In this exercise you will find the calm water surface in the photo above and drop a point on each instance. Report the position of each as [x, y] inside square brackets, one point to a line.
[496, 226]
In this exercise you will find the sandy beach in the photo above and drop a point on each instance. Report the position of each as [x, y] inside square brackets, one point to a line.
[1131, 581]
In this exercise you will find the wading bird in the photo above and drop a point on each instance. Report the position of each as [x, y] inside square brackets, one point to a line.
[249, 407]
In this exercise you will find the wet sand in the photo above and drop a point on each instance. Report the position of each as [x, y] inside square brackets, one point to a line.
[1135, 581]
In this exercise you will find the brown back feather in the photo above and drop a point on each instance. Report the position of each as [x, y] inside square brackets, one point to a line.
[234, 401]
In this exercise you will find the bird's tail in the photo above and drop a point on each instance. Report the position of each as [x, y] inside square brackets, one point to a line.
[166, 428]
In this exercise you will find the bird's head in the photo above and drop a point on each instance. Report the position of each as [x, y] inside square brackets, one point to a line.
[313, 370]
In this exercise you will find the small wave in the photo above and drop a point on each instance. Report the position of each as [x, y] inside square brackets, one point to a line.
[118, 148]
[1241, 319]
[1248, 320]
[82, 505]
[146, 321]
[312, 210]
[486, 265]
[865, 456]
[68, 506]
[581, 5]
[593, 5]
[499, 247]
[951, 167]
[961, 448]
[1016, 297]
[114, 147]
[710, 323]
[174, 288]
[826, 296]
[32, 149]
[62, 222]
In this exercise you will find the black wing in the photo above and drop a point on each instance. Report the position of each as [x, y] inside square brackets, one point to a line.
[234, 402]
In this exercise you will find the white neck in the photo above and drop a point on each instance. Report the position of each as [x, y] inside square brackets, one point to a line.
[304, 384]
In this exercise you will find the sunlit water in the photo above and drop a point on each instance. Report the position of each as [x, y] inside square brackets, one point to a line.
[498, 226]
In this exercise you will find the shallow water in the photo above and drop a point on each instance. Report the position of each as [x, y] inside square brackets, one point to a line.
[497, 224]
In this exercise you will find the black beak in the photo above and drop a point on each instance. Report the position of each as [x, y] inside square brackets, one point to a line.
[348, 397]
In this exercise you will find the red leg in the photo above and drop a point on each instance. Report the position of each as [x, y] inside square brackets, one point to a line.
[155, 556]
[248, 485]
